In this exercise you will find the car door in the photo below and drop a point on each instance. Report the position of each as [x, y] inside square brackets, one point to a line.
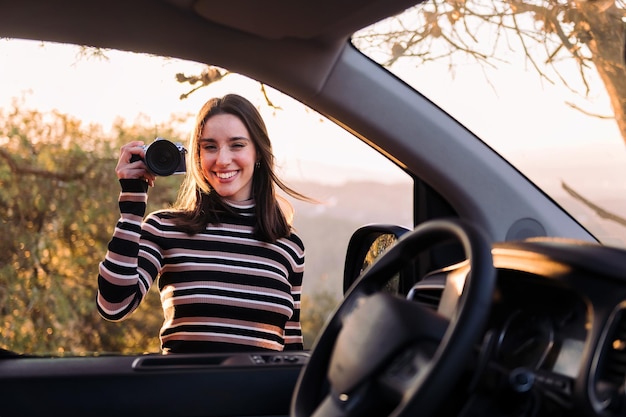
[156, 385]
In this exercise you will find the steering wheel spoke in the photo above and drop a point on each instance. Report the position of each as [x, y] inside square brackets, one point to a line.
[379, 327]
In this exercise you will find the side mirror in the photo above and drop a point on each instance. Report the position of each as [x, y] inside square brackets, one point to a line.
[366, 245]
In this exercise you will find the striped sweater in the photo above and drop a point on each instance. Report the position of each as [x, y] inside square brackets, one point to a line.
[221, 290]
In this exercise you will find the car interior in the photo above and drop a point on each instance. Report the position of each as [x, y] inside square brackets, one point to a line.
[494, 301]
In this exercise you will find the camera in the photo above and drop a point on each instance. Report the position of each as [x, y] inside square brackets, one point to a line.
[163, 157]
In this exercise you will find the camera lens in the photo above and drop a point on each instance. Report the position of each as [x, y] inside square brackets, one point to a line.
[162, 157]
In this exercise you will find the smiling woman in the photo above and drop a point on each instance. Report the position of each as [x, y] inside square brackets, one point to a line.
[229, 264]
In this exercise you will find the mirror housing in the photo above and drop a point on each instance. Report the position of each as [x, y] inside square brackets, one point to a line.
[366, 244]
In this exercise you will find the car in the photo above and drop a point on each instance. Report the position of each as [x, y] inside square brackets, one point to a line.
[490, 282]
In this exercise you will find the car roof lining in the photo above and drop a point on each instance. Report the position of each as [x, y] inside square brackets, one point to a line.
[324, 20]
[313, 39]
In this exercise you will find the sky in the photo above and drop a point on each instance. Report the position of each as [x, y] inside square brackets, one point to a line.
[95, 90]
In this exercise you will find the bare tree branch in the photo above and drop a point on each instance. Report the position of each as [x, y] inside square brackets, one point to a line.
[605, 214]
[208, 76]
[27, 170]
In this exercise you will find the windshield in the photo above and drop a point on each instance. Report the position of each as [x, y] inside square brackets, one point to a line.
[542, 83]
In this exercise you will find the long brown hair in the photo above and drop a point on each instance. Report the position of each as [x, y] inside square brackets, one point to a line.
[200, 206]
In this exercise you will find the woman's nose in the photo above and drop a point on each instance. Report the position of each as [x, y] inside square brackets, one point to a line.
[223, 157]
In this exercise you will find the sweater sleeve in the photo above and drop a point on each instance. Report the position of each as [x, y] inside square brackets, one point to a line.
[293, 328]
[121, 284]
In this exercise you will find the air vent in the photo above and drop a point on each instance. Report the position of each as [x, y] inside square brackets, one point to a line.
[428, 291]
[428, 297]
[611, 371]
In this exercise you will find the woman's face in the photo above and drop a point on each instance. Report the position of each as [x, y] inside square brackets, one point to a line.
[227, 156]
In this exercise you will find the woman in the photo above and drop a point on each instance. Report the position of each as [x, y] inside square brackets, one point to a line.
[228, 263]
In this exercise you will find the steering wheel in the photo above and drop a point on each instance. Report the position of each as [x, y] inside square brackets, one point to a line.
[383, 355]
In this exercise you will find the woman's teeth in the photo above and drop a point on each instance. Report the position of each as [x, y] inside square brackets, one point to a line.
[225, 175]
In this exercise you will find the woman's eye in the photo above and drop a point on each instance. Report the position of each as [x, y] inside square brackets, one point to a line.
[238, 145]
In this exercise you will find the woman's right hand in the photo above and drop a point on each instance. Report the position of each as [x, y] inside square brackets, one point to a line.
[127, 169]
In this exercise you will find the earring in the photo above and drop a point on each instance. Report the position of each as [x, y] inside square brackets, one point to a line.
[258, 164]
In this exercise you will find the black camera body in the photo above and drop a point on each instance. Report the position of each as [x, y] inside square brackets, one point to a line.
[164, 158]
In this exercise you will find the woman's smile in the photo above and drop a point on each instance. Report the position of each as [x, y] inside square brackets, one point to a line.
[226, 175]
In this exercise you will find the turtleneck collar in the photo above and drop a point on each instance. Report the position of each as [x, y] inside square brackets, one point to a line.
[241, 205]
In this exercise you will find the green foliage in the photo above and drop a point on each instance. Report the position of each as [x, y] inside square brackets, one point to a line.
[58, 207]
[317, 309]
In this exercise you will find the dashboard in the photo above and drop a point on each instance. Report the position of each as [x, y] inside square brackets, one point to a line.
[538, 326]
[555, 343]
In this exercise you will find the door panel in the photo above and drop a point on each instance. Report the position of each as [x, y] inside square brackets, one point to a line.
[243, 384]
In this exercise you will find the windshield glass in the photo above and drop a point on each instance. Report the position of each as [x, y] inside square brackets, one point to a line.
[541, 82]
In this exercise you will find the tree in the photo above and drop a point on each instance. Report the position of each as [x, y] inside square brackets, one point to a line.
[547, 32]
[318, 308]
[58, 206]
